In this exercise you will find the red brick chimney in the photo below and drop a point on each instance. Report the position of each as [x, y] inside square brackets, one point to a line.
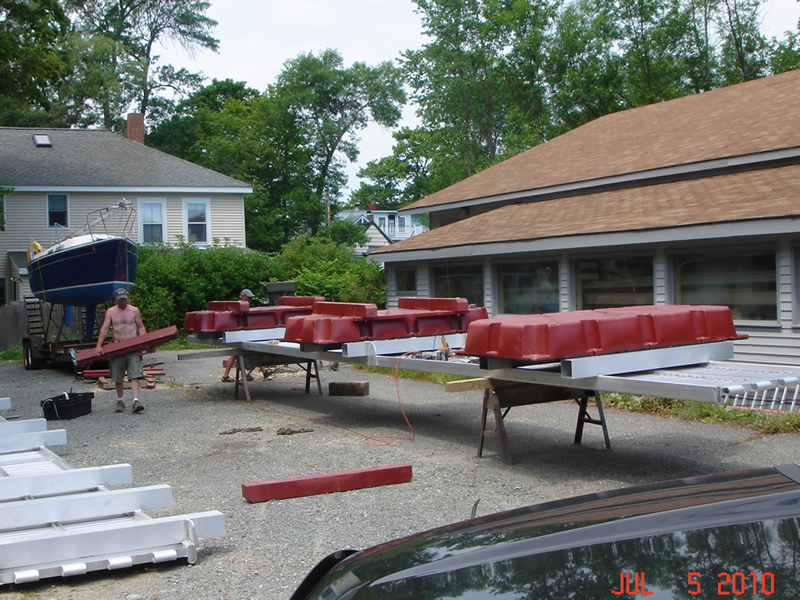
[136, 127]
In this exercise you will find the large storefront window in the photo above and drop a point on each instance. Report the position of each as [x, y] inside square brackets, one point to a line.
[744, 281]
[526, 289]
[459, 282]
[611, 282]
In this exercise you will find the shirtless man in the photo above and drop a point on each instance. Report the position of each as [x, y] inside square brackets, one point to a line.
[126, 320]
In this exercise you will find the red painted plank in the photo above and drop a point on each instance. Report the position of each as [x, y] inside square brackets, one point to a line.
[140, 342]
[325, 483]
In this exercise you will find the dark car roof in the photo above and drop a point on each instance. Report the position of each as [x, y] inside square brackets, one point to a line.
[745, 522]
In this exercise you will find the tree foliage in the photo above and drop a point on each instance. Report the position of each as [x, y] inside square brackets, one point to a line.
[32, 58]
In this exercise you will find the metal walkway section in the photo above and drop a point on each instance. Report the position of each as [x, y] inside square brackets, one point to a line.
[57, 521]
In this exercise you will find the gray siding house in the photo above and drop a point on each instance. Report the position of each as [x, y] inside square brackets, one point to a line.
[691, 201]
[58, 176]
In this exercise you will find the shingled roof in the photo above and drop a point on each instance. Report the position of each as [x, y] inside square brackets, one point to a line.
[745, 119]
[753, 120]
[85, 158]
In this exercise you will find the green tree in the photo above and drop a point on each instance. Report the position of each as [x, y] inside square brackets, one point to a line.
[31, 49]
[745, 50]
[123, 34]
[332, 104]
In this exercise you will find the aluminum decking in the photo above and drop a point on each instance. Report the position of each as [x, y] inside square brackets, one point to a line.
[57, 521]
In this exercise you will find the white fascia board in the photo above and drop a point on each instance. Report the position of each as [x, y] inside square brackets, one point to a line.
[135, 190]
[699, 233]
[625, 178]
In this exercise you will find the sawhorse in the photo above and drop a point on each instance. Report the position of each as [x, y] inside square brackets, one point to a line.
[245, 363]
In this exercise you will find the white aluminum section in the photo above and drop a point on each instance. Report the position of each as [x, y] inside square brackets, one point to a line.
[86, 506]
[253, 335]
[28, 482]
[5, 403]
[24, 426]
[403, 345]
[645, 360]
[110, 544]
[31, 440]
[615, 180]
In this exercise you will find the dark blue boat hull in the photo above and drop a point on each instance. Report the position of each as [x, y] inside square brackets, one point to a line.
[85, 275]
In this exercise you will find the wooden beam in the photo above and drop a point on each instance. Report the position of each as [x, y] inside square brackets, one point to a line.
[134, 344]
[325, 483]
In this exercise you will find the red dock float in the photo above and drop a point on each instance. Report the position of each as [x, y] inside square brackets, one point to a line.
[334, 323]
[326, 483]
[134, 344]
[234, 315]
[553, 336]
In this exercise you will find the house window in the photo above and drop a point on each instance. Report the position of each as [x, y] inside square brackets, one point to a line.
[57, 210]
[151, 221]
[407, 281]
[197, 222]
[528, 288]
[610, 282]
[5, 291]
[401, 224]
[459, 282]
[382, 222]
[391, 228]
[744, 281]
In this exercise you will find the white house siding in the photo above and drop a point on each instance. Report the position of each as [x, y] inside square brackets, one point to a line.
[227, 219]
[772, 343]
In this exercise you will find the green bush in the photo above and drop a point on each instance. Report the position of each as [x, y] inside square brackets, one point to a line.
[174, 280]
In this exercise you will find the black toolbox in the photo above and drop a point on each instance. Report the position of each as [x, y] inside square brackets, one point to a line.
[67, 406]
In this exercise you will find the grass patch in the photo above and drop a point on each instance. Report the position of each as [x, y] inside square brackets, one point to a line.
[182, 343]
[14, 354]
[412, 375]
[764, 422]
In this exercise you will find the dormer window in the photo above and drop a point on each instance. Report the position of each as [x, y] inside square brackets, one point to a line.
[42, 140]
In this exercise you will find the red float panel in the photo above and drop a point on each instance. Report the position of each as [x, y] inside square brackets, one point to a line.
[325, 483]
[230, 316]
[335, 323]
[553, 336]
[134, 344]
[299, 300]
[448, 304]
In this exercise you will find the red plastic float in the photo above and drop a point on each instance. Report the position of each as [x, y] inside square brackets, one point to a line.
[553, 336]
[334, 323]
[233, 315]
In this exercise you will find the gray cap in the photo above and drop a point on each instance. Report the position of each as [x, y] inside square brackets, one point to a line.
[121, 294]
[247, 293]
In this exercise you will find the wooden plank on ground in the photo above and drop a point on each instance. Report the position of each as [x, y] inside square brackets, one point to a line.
[479, 383]
[325, 483]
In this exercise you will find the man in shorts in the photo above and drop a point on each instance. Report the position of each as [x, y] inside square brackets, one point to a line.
[126, 321]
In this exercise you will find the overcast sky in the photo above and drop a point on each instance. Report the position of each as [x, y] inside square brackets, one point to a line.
[258, 36]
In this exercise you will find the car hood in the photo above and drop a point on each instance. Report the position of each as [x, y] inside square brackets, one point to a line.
[583, 546]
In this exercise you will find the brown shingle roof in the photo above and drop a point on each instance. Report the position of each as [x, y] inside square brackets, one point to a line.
[759, 194]
[748, 118]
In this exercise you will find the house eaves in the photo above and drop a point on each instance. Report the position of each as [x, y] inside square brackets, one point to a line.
[136, 190]
[747, 120]
[725, 201]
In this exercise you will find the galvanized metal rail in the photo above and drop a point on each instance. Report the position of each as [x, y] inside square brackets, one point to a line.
[57, 521]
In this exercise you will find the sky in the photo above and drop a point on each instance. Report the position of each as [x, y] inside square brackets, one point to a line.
[258, 36]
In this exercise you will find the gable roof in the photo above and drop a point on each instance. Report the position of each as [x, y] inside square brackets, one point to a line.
[90, 159]
[752, 195]
[742, 120]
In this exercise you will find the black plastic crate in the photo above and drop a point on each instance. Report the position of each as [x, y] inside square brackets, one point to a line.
[67, 406]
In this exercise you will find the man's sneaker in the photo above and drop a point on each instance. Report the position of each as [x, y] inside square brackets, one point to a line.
[137, 407]
[120, 406]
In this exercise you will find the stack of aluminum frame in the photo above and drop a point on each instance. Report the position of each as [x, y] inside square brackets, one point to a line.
[57, 521]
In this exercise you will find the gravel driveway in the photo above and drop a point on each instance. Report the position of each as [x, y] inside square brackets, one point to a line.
[183, 439]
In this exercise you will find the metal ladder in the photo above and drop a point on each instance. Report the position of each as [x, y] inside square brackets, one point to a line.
[57, 521]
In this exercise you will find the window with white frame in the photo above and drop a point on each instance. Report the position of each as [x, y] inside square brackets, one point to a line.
[407, 281]
[152, 220]
[57, 211]
[197, 220]
[459, 282]
[747, 282]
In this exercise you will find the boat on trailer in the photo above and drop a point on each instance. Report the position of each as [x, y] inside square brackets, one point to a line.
[85, 268]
